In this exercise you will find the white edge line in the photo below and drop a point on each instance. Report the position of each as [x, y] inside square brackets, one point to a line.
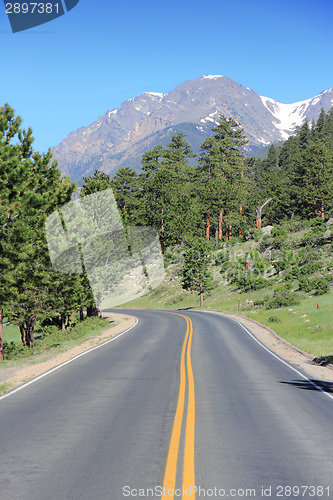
[42, 375]
[273, 354]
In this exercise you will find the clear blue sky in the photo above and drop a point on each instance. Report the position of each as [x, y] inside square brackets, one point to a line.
[65, 74]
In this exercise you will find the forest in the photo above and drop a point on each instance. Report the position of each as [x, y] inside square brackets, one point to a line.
[195, 203]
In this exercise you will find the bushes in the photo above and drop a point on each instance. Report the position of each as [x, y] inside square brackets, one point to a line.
[282, 298]
[279, 237]
[221, 258]
[321, 285]
[246, 281]
[13, 351]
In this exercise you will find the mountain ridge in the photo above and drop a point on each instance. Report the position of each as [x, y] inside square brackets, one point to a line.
[120, 136]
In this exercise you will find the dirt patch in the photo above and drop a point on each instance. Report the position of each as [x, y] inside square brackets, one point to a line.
[16, 375]
[307, 363]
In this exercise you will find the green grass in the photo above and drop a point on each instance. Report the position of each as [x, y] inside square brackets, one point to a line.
[50, 340]
[11, 333]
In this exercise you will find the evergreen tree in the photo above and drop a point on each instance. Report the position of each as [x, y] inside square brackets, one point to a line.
[196, 274]
[182, 210]
[125, 188]
[313, 181]
[221, 176]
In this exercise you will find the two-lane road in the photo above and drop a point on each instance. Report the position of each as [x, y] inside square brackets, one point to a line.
[179, 399]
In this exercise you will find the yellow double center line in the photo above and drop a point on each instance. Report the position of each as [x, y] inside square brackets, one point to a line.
[188, 486]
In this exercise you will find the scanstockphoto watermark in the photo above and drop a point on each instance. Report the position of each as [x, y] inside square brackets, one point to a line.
[24, 15]
[190, 492]
[264, 491]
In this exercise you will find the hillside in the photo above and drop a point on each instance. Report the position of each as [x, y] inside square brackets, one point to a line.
[295, 298]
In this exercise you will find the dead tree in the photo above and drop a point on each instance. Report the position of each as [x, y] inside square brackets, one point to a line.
[258, 215]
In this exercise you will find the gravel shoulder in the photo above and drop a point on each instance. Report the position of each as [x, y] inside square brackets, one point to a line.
[301, 360]
[20, 372]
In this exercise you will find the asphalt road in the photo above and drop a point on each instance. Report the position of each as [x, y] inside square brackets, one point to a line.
[188, 401]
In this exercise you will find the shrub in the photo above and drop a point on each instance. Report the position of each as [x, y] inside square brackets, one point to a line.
[274, 319]
[13, 351]
[260, 266]
[321, 285]
[279, 237]
[292, 274]
[246, 281]
[221, 258]
[310, 268]
[285, 286]
[259, 302]
[250, 234]
[225, 266]
[281, 265]
[281, 299]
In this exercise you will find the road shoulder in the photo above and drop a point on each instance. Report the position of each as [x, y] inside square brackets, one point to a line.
[289, 353]
[14, 376]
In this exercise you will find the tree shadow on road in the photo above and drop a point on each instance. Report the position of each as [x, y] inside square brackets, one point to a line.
[310, 385]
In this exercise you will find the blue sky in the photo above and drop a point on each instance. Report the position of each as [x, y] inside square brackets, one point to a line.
[65, 74]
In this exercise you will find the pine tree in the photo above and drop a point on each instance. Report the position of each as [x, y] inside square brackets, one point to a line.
[221, 175]
[125, 189]
[314, 181]
[196, 274]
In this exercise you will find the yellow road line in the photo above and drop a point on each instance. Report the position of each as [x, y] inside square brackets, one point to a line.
[188, 470]
[188, 466]
[171, 466]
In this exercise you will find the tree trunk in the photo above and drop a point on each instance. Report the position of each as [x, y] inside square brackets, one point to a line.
[92, 311]
[207, 227]
[240, 232]
[322, 210]
[22, 331]
[258, 218]
[30, 331]
[69, 320]
[248, 262]
[1, 334]
[81, 314]
[63, 321]
[99, 308]
[219, 225]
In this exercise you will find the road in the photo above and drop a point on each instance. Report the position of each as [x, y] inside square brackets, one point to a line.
[187, 401]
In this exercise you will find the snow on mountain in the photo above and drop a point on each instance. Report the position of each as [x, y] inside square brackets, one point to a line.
[286, 116]
[289, 116]
[212, 77]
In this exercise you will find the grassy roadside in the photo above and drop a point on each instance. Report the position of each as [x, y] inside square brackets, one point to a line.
[303, 325]
[53, 351]
[308, 325]
[49, 341]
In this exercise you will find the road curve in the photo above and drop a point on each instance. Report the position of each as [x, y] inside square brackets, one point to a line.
[195, 387]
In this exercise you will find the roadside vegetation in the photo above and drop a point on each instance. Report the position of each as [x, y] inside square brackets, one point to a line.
[288, 285]
[50, 339]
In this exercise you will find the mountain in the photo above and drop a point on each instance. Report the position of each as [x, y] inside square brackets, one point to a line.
[120, 137]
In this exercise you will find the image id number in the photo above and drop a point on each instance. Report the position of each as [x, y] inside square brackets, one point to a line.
[302, 491]
[32, 8]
